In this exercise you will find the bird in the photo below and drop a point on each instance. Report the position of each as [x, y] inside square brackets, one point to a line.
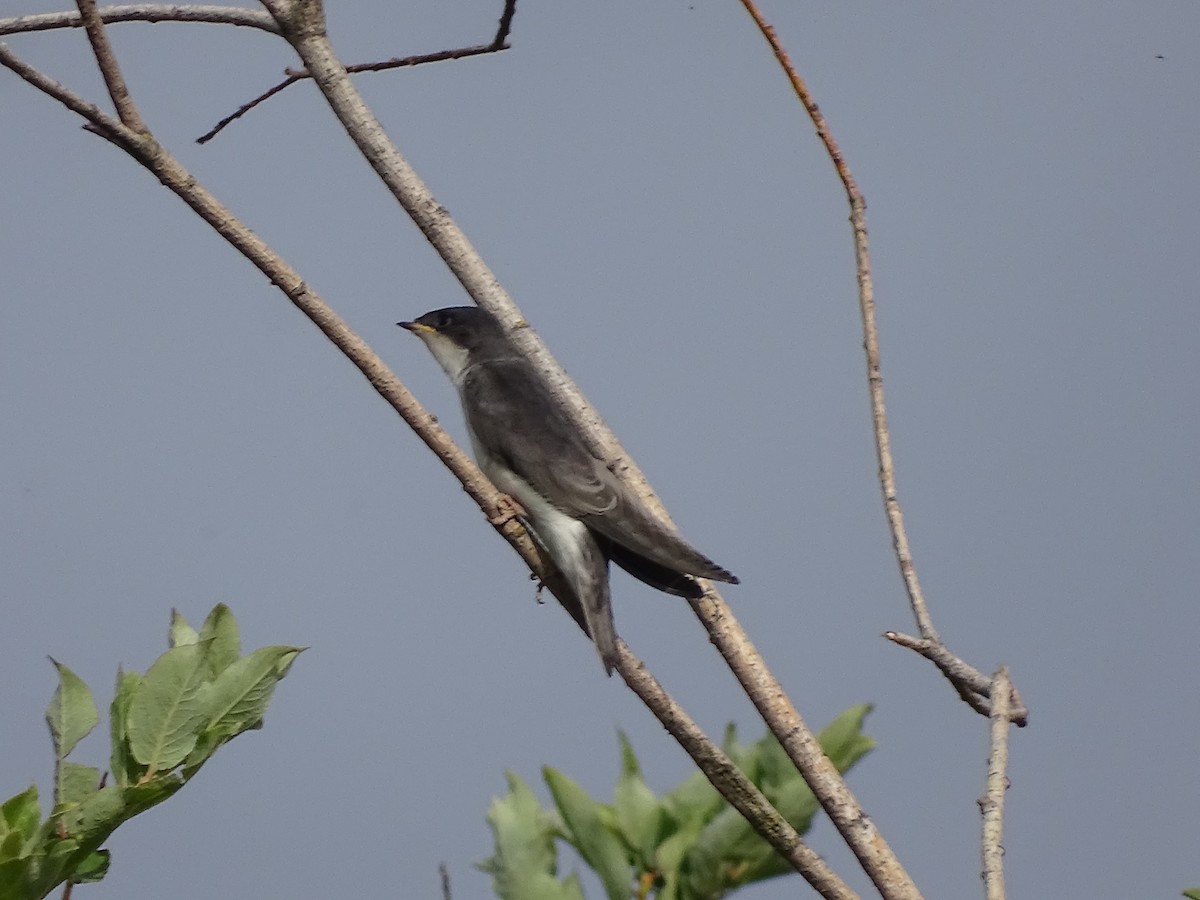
[577, 509]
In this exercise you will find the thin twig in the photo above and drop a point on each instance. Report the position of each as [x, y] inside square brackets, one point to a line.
[109, 67]
[973, 686]
[145, 12]
[883, 441]
[858, 222]
[498, 43]
[991, 804]
[444, 872]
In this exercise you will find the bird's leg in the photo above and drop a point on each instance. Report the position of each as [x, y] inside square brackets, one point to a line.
[507, 509]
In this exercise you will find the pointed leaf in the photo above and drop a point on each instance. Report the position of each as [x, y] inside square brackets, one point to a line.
[629, 763]
[843, 740]
[525, 860]
[72, 711]
[243, 690]
[587, 832]
[180, 634]
[124, 767]
[220, 631]
[74, 784]
[640, 817]
[167, 711]
[21, 814]
[16, 876]
[93, 868]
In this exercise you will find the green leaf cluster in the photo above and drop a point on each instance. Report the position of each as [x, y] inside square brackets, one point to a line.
[166, 724]
[688, 844]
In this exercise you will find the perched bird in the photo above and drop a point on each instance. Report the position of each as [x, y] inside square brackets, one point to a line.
[580, 512]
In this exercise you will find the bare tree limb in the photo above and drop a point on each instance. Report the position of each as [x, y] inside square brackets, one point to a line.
[145, 12]
[973, 687]
[981, 702]
[991, 804]
[110, 69]
[498, 43]
[444, 873]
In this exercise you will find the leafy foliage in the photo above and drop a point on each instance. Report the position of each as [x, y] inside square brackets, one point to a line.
[165, 725]
[688, 844]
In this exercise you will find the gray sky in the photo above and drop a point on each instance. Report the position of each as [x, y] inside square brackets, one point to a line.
[640, 179]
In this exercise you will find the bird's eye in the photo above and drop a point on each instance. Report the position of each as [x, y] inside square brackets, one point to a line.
[444, 320]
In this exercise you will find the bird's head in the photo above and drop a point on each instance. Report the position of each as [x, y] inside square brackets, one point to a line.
[460, 336]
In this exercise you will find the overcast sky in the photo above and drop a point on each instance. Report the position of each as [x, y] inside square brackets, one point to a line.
[640, 178]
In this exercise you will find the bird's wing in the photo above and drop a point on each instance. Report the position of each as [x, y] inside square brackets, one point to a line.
[514, 416]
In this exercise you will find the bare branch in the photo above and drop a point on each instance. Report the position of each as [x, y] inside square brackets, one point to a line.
[98, 121]
[109, 67]
[294, 76]
[444, 872]
[145, 12]
[866, 295]
[246, 107]
[965, 678]
[972, 685]
[991, 804]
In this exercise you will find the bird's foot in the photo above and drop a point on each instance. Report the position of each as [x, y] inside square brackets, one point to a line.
[506, 510]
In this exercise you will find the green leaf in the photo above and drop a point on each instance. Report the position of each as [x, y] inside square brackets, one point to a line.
[180, 634]
[1192, 893]
[586, 831]
[124, 767]
[641, 819]
[74, 785]
[243, 690]
[843, 740]
[220, 633]
[167, 711]
[140, 797]
[72, 712]
[525, 861]
[16, 876]
[695, 800]
[21, 814]
[93, 868]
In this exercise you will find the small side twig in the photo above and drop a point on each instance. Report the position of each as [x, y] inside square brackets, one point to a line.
[498, 43]
[974, 687]
[444, 872]
[991, 804]
[109, 68]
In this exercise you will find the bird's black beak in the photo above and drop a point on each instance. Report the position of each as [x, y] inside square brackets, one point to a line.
[417, 328]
